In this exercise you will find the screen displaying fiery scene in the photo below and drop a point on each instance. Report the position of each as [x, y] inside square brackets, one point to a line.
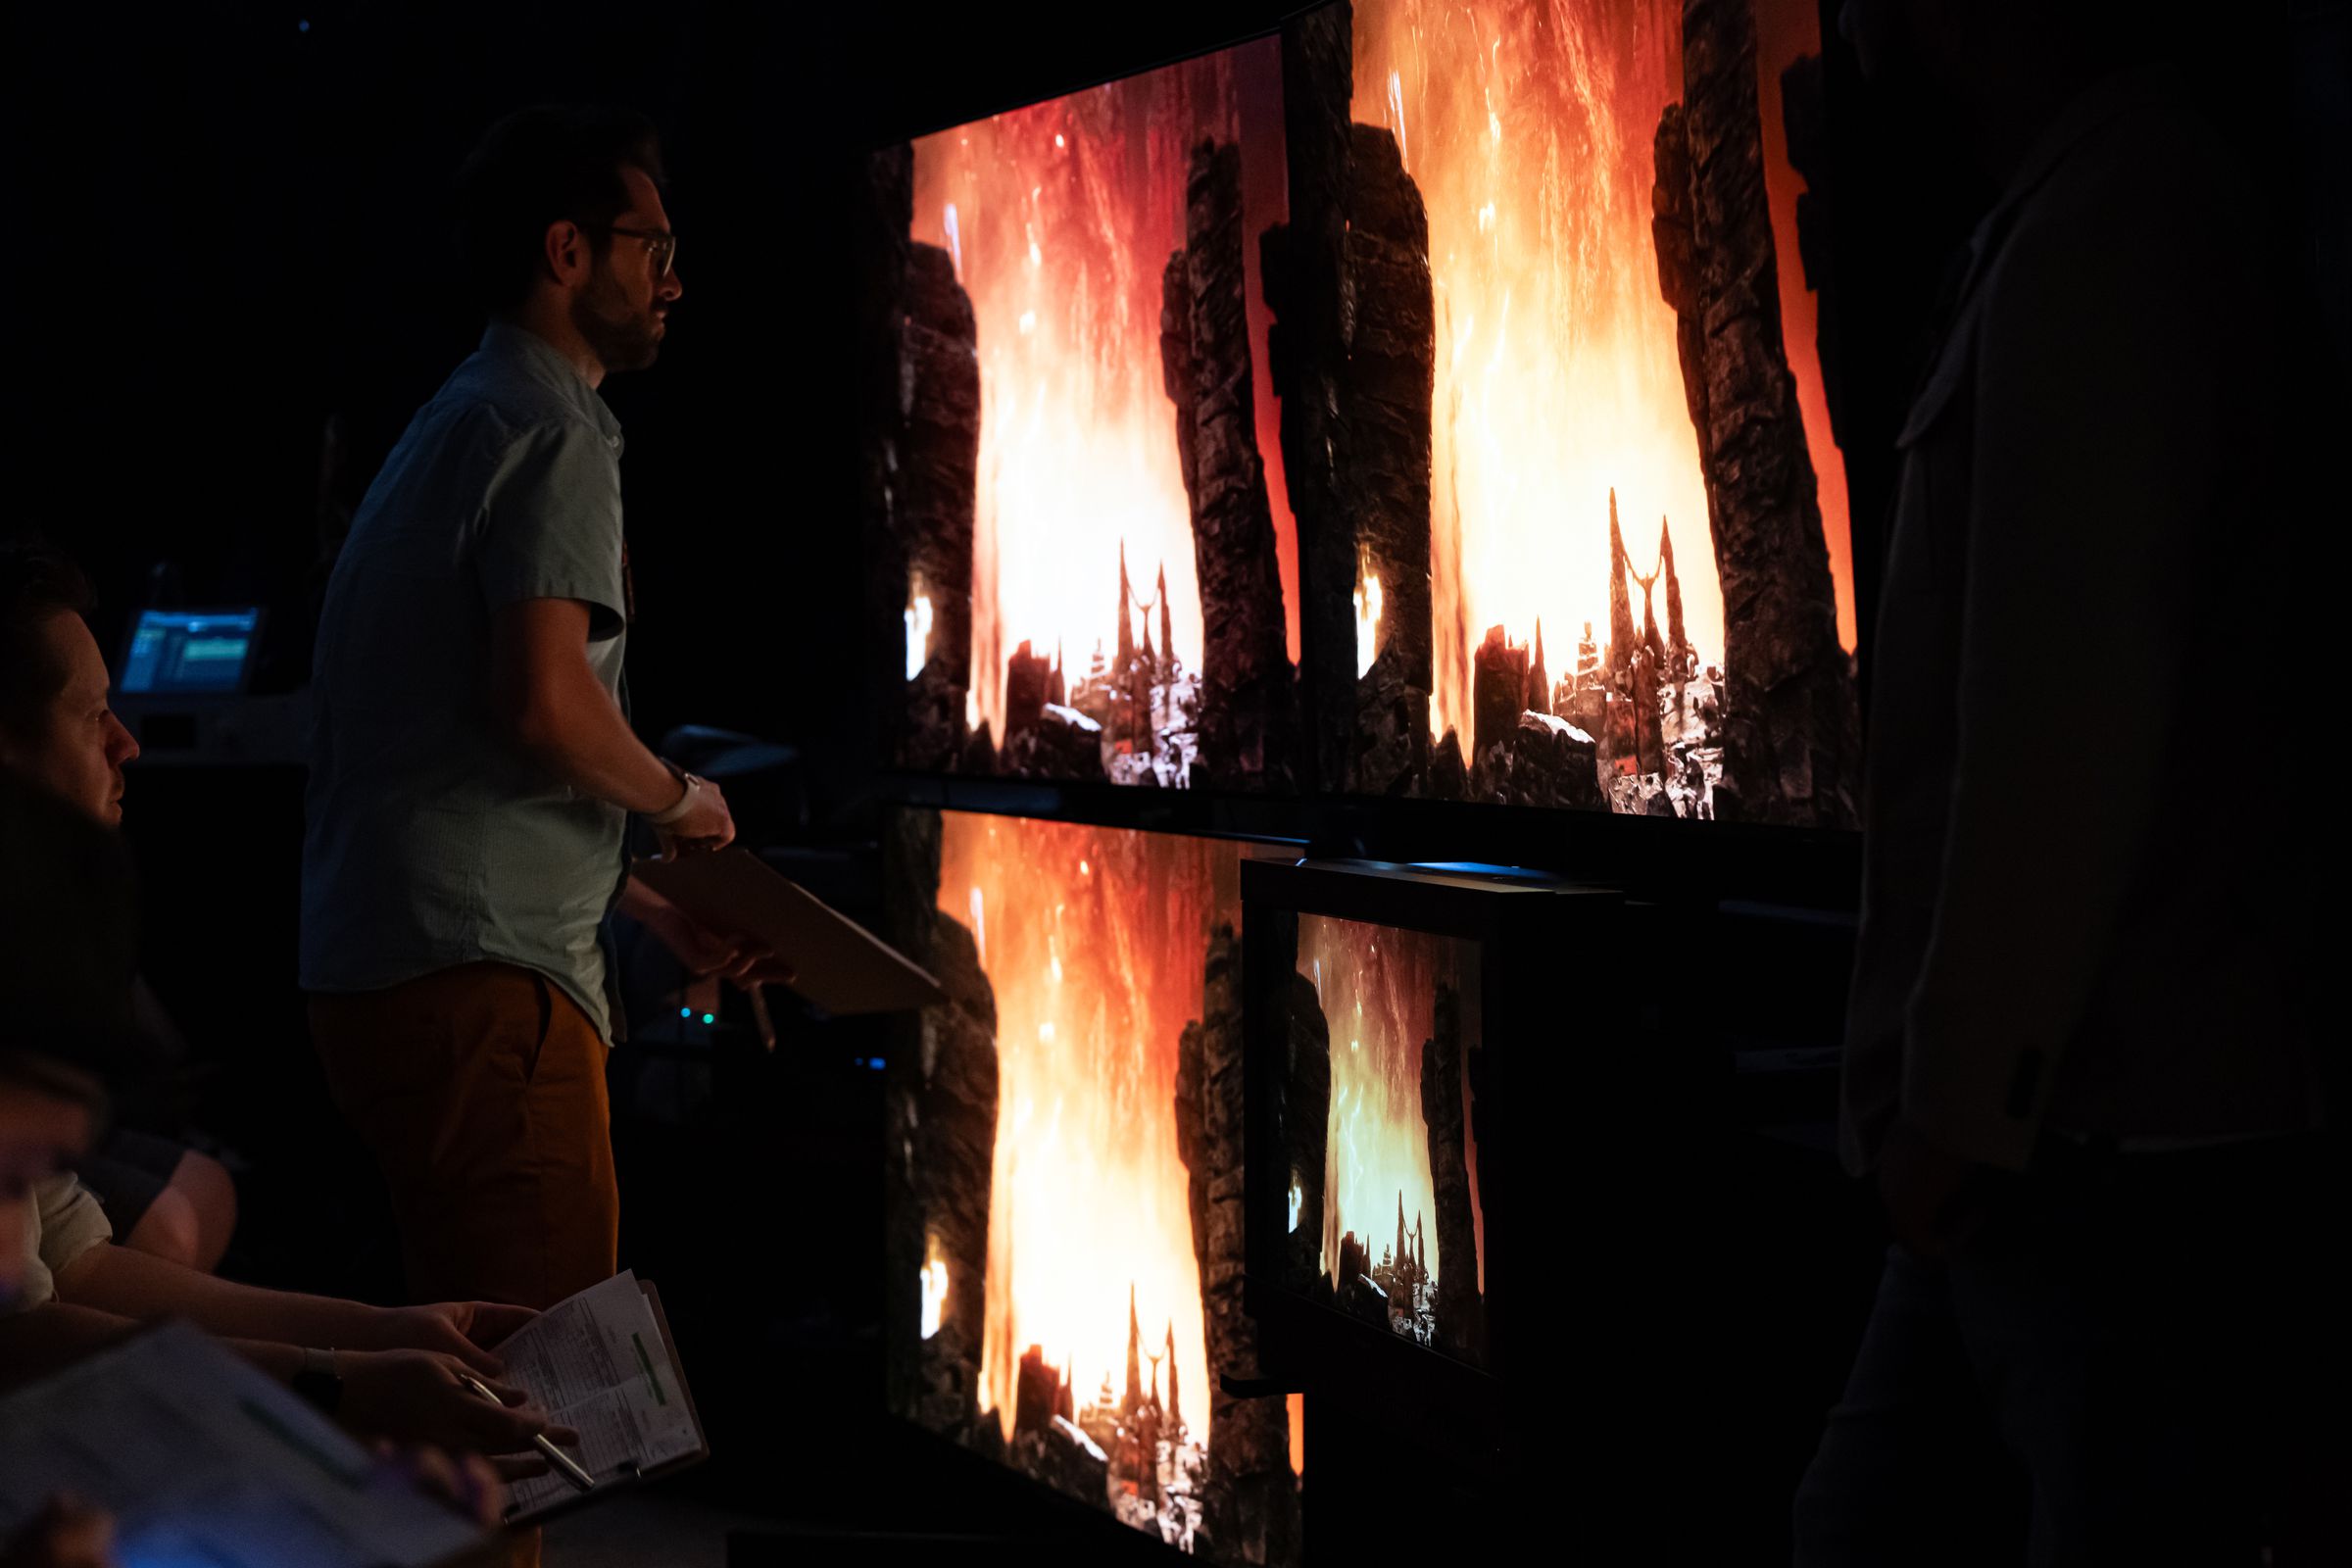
[1424, 401]
[1379, 1130]
[1065, 1141]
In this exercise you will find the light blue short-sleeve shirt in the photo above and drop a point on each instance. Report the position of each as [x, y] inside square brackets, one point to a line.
[431, 838]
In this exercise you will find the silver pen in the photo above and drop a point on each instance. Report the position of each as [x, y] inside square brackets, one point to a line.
[562, 1462]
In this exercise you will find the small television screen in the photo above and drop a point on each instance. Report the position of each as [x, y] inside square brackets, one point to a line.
[1380, 1129]
[1066, 1163]
[1406, 1062]
[175, 652]
[1367, 410]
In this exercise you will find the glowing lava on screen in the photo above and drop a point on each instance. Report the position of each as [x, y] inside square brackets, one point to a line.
[1785, 30]
[1060, 217]
[1530, 130]
[1378, 988]
[1094, 945]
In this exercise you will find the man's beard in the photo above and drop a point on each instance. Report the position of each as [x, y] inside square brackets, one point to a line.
[621, 339]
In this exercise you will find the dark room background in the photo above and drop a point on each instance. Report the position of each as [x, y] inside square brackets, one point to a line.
[229, 283]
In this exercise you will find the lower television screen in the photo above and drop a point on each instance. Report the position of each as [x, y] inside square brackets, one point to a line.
[1384, 1220]
[1066, 1168]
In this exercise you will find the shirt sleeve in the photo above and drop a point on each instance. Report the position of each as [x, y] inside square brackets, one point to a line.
[2100, 480]
[66, 1222]
[554, 524]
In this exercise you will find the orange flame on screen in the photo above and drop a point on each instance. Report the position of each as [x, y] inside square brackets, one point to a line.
[1530, 131]
[1785, 30]
[1061, 217]
[1378, 987]
[1095, 944]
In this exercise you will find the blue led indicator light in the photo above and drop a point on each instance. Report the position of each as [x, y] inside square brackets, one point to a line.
[709, 1017]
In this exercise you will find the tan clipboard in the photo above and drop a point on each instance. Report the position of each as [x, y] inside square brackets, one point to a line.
[836, 963]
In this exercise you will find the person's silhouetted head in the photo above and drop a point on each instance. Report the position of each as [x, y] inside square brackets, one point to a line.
[559, 216]
[56, 728]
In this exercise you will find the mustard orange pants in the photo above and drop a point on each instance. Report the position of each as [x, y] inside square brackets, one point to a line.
[481, 1091]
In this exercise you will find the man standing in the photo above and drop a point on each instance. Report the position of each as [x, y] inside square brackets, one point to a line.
[2081, 1057]
[472, 768]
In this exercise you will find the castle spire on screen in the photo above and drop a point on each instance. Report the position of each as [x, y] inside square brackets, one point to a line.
[1364, 338]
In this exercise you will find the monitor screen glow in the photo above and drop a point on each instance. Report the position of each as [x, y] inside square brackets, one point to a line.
[189, 652]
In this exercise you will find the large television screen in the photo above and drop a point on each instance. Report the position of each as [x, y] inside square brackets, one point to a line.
[1066, 1156]
[1423, 401]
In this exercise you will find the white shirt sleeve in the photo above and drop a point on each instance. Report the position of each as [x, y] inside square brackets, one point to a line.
[66, 1222]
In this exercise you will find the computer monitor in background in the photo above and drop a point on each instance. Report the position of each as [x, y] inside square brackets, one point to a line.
[189, 652]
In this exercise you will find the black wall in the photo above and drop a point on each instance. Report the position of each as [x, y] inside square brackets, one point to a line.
[228, 226]
[222, 227]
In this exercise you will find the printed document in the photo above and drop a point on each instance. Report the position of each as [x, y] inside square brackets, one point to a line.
[599, 1364]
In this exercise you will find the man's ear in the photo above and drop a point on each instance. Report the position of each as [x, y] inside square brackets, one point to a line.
[564, 250]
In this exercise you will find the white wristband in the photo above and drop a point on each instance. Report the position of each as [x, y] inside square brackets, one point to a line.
[678, 807]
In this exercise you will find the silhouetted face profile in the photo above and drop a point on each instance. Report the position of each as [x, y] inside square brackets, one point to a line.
[79, 749]
[623, 309]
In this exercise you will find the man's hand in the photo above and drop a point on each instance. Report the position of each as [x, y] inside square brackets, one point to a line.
[65, 1534]
[418, 1397]
[704, 951]
[706, 825]
[1934, 1197]
[465, 1330]
[700, 950]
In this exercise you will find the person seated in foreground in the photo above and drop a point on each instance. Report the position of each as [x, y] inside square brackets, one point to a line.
[55, 730]
[66, 1033]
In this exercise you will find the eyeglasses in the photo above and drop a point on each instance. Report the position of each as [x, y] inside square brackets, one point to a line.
[658, 244]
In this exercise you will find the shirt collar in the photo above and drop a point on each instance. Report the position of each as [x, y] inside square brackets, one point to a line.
[537, 358]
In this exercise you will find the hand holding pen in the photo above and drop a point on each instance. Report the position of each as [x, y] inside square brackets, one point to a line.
[562, 1464]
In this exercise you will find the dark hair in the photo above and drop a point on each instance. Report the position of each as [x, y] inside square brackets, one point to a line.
[36, 582]
[542, 166]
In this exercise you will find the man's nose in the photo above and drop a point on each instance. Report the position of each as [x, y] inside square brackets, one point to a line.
[668, 288]
[120, 745]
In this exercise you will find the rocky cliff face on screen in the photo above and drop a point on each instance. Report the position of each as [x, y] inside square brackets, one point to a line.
[1421, 401]
[1064, 1192]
